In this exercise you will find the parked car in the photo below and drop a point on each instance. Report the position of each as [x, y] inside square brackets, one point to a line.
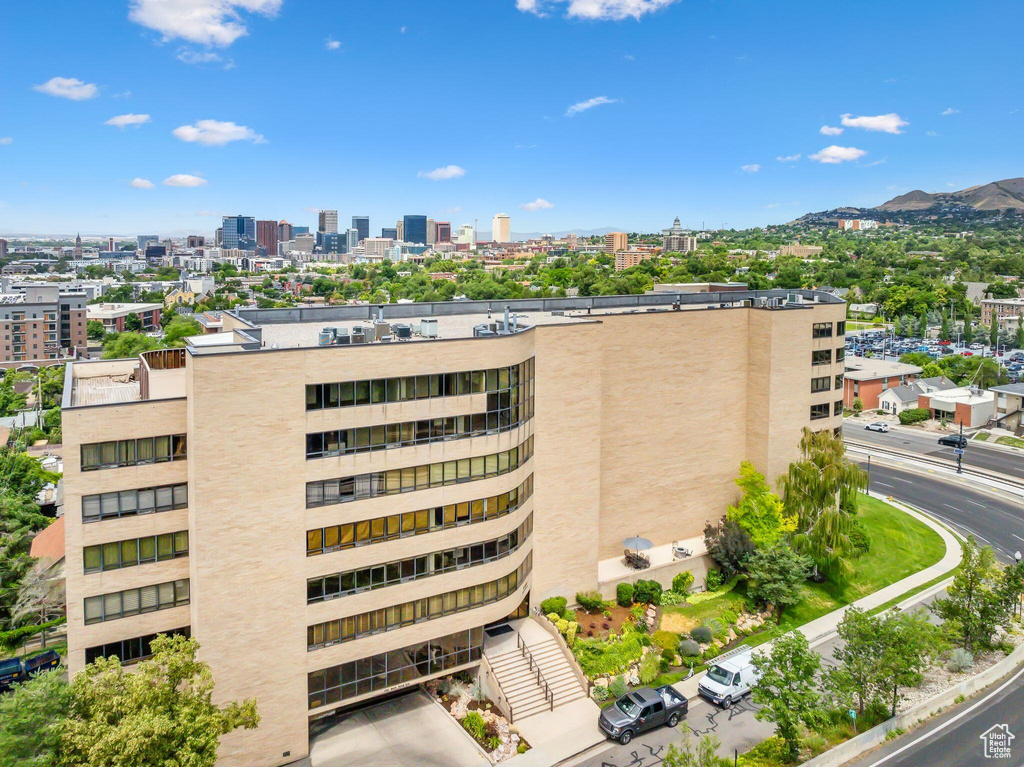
[881, 426]
[11, 672]
[953, 440]
[976, 347]
[729, 680]
[642, 710]
[44, 661]
[967, 354]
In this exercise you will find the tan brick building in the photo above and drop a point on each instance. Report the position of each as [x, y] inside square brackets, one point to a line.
[41, 325]
[337, 521]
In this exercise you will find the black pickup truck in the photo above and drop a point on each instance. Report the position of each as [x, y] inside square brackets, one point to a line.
[642, 710]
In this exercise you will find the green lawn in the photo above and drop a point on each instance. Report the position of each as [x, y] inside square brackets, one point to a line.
[900, 546]
[982, 436]
[1011, 441]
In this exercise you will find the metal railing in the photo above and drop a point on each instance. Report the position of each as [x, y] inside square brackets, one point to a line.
[883, 452]
[535, 667]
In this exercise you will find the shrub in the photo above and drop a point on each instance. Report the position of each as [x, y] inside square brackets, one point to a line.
[959, 660]
[859, 538]
[669, 655]
[702, 634]
[553, 605]
[713, 580]
[688, 648]
[712, 652]
[624, 594]
[647, 591]
[728, 544]
[666, 640]
[562, 625]
[672, 598]
[914, 415]
[681, 582]
[718, 629]
[815, 743]
[690, 661]
[522, 748]
[475, 725]
[570, 633]
[617, 688]
[649, 668]
[767, 753]
[590, 601]
[729, 617]
[600, 692]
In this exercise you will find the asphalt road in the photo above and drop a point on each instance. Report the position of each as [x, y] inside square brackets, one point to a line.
[955, 738]
[995, 519]
[977, 454]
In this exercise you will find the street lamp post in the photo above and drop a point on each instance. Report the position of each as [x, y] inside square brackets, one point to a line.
[960, 451]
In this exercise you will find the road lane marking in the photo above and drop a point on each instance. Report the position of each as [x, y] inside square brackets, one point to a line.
[1017, 537]
[974, 502]
[948, 722]
[908, 481]
[884, 484]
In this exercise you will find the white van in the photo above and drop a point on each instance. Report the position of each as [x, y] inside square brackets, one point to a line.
[729, 680]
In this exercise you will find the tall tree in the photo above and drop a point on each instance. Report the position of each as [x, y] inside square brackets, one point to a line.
[909, 644]
[30, 718]
[160, 714]
[993, 335]
[684, 754]
[775, 575]
[944, 328]
[760, 511]
[977, 601]
[787, 687]
[968, 326]
[821, 490]
[855, 677]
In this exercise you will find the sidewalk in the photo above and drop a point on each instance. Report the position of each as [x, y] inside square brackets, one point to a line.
[820, 629]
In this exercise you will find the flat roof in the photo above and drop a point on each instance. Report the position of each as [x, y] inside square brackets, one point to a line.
[109, 311]
[867, 368]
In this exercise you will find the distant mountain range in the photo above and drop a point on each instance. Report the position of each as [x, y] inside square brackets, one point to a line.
[994, 202]
[999, 195]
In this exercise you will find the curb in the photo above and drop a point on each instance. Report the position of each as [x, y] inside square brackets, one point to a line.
[924, 710]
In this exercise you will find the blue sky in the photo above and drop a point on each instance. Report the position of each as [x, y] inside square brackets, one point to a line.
[281, 107]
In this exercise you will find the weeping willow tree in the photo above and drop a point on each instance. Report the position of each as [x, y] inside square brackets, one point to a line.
[821, 490]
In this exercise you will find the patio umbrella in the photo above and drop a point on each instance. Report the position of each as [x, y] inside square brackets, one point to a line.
[637, 544]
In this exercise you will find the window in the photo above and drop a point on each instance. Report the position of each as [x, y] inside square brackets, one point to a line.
[405, 665]
[130, 650]
[410, 523]
[820, 384]
[126, 503]
[501, 416]
[380, 390]
[819, 411]
[841, 328]
[133, 452]
[840, 354]
[331, 491]
[822, 330]
[821, 357]
[839, 381]
[381, 575]
[134, 551]
[390, 618]
[122, 604]
[837, 408]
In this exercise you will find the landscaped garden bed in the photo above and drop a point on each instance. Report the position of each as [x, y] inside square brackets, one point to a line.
[463, 697]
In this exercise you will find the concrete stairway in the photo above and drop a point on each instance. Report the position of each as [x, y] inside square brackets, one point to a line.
[518, 677]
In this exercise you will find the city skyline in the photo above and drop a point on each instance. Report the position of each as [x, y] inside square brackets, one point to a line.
[753, 126]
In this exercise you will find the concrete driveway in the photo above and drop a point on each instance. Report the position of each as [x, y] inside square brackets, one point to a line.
[401, 732]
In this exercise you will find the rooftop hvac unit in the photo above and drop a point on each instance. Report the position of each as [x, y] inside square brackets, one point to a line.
[339, 332]
[762, 301]
[344, 340]
[386, 339]
[773, 303]
[483, 331]
[746, 302]
[325, 338]
[362, 335]
[557, 313]
[402, 330]
[795, 298]
[428, 328]
[329, 331]
[381, 329]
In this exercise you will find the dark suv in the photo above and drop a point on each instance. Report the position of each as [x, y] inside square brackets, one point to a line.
[954, 440]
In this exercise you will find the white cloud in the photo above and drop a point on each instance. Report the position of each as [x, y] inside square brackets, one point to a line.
[829, 130]
[68, 88]
[401, 30]
[200, 58]
[141, 183]
[5, 140]
[930, 133]
[184, 179]
[455, 209]
[752, 168]
[583, 106]
[598, 10]
[331, 44]
[130, 119]
[207, 22]
[833, 155]
[771, 205]
[876, 162]
[789, 157]
[539, 204]
[443, 173]
[950, 111]
[216, 133]
[888, 123]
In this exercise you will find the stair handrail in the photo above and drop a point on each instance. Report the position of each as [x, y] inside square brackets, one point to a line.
[534, 666]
